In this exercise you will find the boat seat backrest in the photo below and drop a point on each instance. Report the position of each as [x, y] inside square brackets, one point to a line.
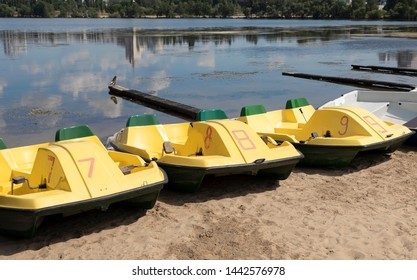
[215, 114]
[141, 120]
[297, 110]
[252, 110]
[5, 167]
[2, 144]
[73, 132]
[147, 133]
[19, 158]
[296, 103]
[77, 132]
[260, 123]
[149, 138]
[257, 118]
[299, 115]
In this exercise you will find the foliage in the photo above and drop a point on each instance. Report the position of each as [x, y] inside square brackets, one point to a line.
[42, 9]
[6, 11]
[317, 9]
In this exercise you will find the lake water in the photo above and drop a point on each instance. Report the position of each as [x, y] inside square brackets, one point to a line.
[55, 72]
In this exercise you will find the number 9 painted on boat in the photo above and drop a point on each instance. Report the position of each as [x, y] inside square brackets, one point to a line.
[344, 122]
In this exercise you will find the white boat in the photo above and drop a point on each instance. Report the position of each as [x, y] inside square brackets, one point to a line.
[391, 106]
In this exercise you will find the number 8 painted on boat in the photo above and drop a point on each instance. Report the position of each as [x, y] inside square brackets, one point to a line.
[52, 159]
[207, 139]
[241, 140]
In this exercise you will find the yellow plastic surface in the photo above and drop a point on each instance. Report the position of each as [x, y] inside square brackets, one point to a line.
[70, 171]
[342, 126]
[210, 143]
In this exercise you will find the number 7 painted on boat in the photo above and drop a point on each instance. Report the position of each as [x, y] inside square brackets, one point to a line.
[91, 168]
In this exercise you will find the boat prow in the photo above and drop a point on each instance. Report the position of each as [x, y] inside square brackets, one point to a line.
[71, 175]
[390, 106]
[211, 146]
[328, 136]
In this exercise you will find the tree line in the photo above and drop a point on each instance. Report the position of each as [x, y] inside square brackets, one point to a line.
[289, 9]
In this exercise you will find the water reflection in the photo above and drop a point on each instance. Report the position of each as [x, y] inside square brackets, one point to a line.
[56, 79]
[3, 84]
[14, 43]
[405, 59]
[135, 40]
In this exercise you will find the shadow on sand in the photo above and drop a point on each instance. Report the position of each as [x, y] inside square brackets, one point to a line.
[217, 188]
[57, 229]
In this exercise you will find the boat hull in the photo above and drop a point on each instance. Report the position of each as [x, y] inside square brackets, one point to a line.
[25, 222]
[74, 174]
[341, 156]
[412, 141]
[316, 155]
[330, 136]
[190, 178]
[204, 148]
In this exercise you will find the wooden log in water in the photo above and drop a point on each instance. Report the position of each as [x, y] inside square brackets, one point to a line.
[385, 70]
[161, 104]
[370, 84]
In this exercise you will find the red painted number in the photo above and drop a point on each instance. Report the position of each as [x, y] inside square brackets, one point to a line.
[344, 121]
[242, 137]
[207, 139]
[91, 168]
[371, 121]
[51, 158]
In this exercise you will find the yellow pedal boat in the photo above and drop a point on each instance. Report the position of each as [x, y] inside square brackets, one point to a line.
[330, 136]
[212, 145]
[71, 175]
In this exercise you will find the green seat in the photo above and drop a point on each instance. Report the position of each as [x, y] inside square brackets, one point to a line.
[2, 144]
[73, 132]
[252, 110]
[140, 120]
[295, 103]
[215, 114]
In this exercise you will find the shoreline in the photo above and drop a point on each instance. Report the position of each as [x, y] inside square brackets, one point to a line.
[407, 35]
[364, 211]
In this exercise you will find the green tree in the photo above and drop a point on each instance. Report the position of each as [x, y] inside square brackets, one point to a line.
[115, 10]
[24, 10]
[321, 9]
[43, 9]
[165, 9]
[132, 10]
[358, 10]
[226, 8]
[390, 4]
[92, 12]
[6, 11]
[339, 10]
[247, 11]
[372, 10]
[403, 11]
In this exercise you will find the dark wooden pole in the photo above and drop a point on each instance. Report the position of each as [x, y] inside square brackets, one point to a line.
[385, 70]
[161, 104]
[370, 84]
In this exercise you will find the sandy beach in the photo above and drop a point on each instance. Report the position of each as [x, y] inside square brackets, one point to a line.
[365, 211]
